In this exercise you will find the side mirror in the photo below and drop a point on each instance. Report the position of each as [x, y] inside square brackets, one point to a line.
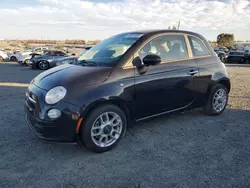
[137, 62]
[151, 60]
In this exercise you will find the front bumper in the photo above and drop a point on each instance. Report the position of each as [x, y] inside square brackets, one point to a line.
[33, 64]
[62, 129]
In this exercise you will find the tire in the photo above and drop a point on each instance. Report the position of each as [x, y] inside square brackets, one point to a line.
[43, 65]
[1, 59]
[222, 59]
[26, 62]
[93, 121]
[13, 58]
[210, 107]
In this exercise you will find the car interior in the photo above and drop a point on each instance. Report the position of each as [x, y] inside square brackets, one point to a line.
[167, 47]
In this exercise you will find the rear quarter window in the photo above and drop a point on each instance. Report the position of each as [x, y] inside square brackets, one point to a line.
[198, 48]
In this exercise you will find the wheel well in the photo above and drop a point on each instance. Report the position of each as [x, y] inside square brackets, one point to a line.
[226, 83]
[117, 103]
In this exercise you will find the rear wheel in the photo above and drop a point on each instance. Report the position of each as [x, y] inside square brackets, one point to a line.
[44, 65]
[217, 100]
[103, 128]
[26, 62]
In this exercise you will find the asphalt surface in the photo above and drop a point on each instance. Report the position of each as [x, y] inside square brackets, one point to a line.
[178, 150]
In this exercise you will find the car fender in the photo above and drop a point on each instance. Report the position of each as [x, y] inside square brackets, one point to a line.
[93, 96]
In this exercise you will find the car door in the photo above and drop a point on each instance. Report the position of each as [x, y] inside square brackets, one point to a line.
[235, 57]
[169, 86]
[230, 57]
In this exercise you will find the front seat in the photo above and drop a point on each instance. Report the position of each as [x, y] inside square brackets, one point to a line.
[175, 51]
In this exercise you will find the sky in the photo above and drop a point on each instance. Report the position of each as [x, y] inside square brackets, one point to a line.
[99, 19]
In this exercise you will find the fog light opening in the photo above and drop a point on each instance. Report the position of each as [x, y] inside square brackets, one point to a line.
[54, 113]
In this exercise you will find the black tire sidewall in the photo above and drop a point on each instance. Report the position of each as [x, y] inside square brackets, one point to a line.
[85, 131]
[25, 63]
[209, 109]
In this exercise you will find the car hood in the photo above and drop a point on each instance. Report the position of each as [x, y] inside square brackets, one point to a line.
[71, 76]
[46, 57]
[66, 58]
[26, 53]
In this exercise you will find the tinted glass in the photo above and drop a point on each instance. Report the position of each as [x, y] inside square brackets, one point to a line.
[198, 48]
[60, 54]
[110, 50]
[52, 53]
[169, 47]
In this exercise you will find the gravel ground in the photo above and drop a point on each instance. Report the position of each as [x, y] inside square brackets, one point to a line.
[178, 150]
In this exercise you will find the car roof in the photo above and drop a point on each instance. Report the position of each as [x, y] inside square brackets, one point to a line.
[54, 51]
[159, 31]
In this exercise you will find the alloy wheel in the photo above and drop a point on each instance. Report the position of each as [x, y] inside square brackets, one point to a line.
[106, 129]
[219, 100]
[43, 65]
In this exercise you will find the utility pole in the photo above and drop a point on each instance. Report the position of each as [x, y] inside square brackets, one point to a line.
[179, 23]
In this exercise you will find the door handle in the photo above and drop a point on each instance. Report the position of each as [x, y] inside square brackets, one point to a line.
[192, 72]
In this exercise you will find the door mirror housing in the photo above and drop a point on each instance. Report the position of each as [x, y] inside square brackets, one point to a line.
[151, 60]
[137, 62]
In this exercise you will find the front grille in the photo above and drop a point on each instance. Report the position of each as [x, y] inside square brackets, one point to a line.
[31, 101]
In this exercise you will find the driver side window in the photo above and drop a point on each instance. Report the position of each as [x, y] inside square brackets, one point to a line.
[169, 48]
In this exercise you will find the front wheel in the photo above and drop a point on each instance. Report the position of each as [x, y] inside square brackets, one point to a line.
[217, 100]
[103, 128]
[13, 58]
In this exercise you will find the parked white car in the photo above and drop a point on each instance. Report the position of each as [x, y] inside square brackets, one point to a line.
[3, 56]
[13, 56]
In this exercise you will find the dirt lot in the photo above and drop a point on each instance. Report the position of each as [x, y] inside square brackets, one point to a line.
[179, 150]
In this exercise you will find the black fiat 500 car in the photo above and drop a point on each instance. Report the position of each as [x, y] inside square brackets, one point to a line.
[126, 78]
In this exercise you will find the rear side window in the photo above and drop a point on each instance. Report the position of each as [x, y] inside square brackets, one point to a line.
[198, 48]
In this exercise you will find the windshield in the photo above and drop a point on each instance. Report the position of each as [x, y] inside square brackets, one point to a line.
[110, 50]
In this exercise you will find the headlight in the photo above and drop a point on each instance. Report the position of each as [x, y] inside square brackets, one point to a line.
[55, 95]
